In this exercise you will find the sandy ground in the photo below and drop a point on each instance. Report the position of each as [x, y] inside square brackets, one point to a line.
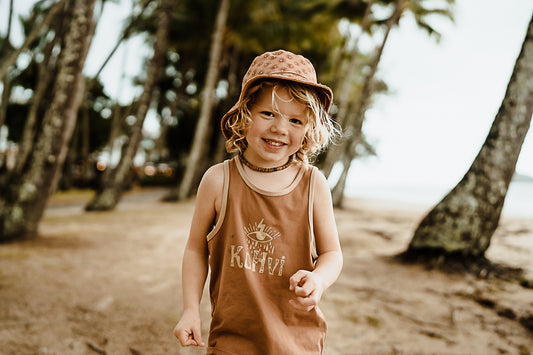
[109, 283]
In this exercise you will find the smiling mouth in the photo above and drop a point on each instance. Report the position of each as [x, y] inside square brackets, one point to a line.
[273, 143]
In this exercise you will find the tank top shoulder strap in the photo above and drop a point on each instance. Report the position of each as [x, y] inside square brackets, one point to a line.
[224, 204]
[312, 177]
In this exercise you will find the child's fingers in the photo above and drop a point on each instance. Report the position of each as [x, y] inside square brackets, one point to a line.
[298, 279]
[303, 303]
[184, 336]
[305, 290]
[198, 337]
[189, 337]
[302, 284]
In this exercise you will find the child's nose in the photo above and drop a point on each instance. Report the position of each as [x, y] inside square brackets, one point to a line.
[280, 125]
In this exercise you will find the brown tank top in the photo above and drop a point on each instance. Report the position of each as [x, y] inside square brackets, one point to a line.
[260, 240]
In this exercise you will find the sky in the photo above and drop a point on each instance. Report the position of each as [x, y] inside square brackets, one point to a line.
[443, 96]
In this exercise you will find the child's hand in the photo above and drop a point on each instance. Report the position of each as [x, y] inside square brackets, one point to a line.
[308, 289]
[188, 331]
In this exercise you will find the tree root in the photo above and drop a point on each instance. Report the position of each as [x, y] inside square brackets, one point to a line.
[478, 266]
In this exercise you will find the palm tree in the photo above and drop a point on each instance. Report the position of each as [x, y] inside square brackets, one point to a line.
[6, 45]
[463, 223]
[23, 197]
[46, 69]
[208, 98]
[113, 181]
[347, 78]
[354, 119]
[345, 90]
[353, 123]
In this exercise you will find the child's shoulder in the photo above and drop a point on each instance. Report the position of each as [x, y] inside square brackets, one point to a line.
[315, 171]
[321, 182]
[216, 170]
[213, 178]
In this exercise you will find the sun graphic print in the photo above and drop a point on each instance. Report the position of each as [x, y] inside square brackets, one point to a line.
[260, 236]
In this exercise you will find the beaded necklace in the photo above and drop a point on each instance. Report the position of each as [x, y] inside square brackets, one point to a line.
[265, 170]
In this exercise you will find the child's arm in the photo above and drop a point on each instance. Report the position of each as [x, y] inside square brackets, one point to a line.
[195, 257]
[309, 286]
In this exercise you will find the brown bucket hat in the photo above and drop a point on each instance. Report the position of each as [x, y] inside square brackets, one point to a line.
[283, 65]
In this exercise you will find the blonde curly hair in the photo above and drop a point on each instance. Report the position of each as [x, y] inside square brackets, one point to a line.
[320, 130]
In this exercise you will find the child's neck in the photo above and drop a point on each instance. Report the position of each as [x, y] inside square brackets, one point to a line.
[265, 170]
[272, 181]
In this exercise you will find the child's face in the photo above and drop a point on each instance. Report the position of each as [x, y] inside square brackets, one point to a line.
[277, 128]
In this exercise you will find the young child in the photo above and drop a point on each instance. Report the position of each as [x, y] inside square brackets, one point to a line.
[263, 222]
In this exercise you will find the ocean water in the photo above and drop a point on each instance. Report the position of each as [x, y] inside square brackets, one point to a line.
[518, 202]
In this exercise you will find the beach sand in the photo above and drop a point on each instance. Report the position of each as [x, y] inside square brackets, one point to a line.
[109, 283]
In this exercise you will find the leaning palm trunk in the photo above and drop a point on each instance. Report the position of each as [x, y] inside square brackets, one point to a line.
[6, 93]
[234, 88]
[45, 71]
[354, 122]
[345, 90]
[347, 157]
[6, 83]
[202, 127]
[346, 86]
[114, 180]
[465, 220]
[23, 198]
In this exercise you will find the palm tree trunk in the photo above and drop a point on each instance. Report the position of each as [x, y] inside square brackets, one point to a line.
[233, 93]
[337, 193]
[85, 128]
[45, 72]
[201, 133]
[114, 181]
[117, 119]
[22, 200]
[6, 92]
[347, 158]
[345, 90]
[346, 84]
[465, 220]
[355, 121]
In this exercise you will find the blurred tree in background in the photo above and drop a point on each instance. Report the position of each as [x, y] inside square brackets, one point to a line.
[352, 110]
[25, 190]
[114, 179]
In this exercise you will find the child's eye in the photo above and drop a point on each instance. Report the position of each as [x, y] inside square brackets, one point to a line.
[267, 113]
[296, 121]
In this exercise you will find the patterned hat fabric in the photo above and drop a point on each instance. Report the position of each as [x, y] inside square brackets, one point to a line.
[282, 65]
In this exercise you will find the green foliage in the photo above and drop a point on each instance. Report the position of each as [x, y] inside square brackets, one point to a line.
[309, 27]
